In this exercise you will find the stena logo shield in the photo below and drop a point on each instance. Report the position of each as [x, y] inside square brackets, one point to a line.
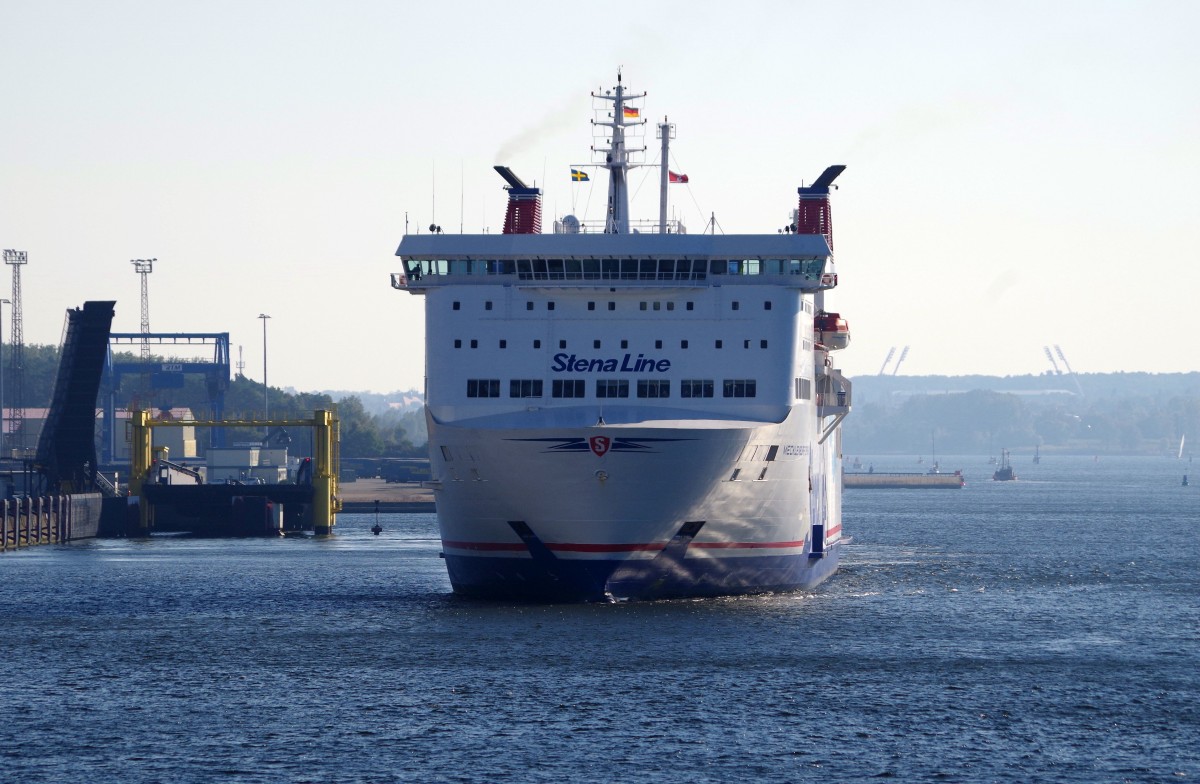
[600, 445]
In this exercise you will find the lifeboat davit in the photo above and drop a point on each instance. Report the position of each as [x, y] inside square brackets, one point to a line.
[832, 331]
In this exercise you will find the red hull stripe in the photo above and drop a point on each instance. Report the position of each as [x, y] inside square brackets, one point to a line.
[573, 547]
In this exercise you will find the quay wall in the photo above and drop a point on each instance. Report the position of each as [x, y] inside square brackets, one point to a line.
[51, 519]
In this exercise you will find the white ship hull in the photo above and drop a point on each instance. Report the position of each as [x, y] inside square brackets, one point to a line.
[701, 508]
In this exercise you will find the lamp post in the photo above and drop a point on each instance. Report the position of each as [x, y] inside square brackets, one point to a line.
[266, 400]
[3, 433]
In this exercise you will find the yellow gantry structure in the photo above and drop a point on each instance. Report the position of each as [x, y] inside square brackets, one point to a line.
[326, 501]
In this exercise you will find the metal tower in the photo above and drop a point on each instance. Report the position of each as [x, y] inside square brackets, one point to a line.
[900, 361]
[144, 267]
[17, 259]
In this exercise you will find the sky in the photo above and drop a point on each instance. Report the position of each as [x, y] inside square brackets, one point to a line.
[1019, 174]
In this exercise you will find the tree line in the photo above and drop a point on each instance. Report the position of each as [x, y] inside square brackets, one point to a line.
[364, 433]
[1117, 412]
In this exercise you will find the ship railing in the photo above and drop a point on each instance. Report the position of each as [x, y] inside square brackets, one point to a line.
[639, 226]
[833, 393]
[105, 485]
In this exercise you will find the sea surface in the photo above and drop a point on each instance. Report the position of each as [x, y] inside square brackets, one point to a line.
[1043, 630]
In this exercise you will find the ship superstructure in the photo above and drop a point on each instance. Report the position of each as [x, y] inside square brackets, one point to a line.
[632, 415]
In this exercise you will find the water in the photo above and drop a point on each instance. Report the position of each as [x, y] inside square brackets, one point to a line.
[1040, 630]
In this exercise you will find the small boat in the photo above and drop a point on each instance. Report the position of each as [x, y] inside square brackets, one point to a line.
[1037, 455]
[1005, 472]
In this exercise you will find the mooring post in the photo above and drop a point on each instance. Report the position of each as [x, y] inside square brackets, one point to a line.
[325, 501]
[141, 455]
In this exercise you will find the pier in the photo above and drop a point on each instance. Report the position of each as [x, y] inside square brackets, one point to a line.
[234, 508]
[53, 519]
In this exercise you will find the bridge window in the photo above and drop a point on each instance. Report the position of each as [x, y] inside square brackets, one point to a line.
[474, 344]
[483, 387]
[591, 306]
[457, 305]
[487, 305]
[567, 387]
[503, 344]
[595, 344]
[537, 344]
[458, 343]
[624, 344]
[803, 389]
[696, 387]
[683, 344]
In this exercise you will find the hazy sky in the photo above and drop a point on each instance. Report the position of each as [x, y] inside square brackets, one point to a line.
[1020, 174]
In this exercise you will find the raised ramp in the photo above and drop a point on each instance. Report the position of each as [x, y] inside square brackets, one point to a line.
[66, 451]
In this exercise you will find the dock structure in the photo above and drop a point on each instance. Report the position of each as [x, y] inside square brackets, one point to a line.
[52, 519]
[317, 492]
[903, 480]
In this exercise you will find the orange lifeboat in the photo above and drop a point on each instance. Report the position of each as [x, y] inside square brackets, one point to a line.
[832, 331]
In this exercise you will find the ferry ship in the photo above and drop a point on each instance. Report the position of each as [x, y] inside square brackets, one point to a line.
[632, 411]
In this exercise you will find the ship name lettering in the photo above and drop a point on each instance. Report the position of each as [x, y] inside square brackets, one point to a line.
[569, 363]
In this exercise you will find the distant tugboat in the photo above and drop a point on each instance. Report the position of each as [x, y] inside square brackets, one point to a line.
[1005, 472]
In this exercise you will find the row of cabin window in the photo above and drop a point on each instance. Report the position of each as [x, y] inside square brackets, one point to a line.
[609, 388]
[648, 305]
[615, 269]
[624, 344]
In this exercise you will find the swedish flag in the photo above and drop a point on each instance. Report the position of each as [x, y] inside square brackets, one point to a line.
[579, 176]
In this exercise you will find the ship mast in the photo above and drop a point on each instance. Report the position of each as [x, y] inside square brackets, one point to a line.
[666, 132]
[616, 158]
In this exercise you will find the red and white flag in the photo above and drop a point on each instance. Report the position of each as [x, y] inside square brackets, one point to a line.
[673, 177]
